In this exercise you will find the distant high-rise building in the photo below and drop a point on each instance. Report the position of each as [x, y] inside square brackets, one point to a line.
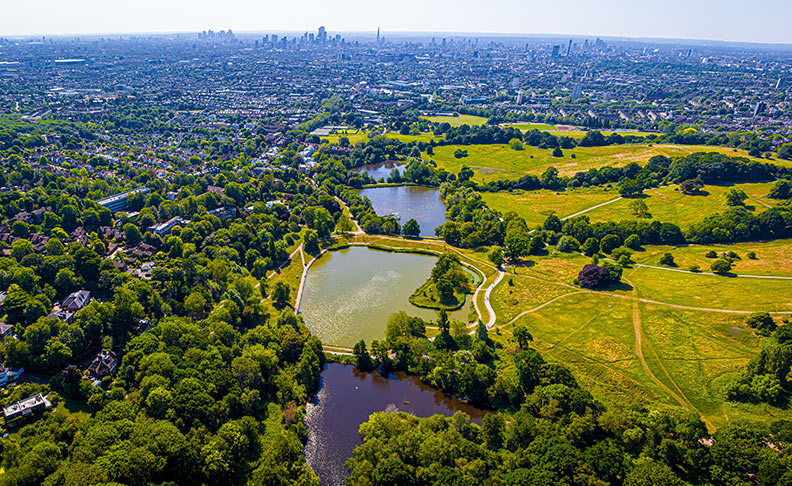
[519, 97]
[515, 83]
[322, 35]
[569, 48]
[577, 91]
[556, 50]
[779, 83]
[378, 35]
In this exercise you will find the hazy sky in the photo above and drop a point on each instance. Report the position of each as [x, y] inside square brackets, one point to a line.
[736, 20]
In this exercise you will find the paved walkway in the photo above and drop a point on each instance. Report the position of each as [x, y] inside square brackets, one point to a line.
[591, 208]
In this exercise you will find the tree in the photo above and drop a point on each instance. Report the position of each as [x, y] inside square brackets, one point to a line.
[630, 188]
[132, 234]
[785, 152]
[281, 294]
[557, 152]
[594, 277]
[20, 229]
[720, 266]
[668, 260]
[522, 335]
[781, 190]
[568, 244]
[362, 357]
[640, 209]
[762, 322]
[736, 197]
[195, 304]
[633, 242]
[590, 247]
[411, 229]
[311, 240]
[496, 256]
[691, 187]
[609, 243]
[516, 144]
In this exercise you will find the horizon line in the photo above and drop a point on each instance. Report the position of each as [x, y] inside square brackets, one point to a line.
[403, 32]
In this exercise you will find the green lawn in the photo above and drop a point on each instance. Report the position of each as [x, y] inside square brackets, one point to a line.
[772, 257]
[354, 137]
[456, 121]
[668, 205]
[423, 137]
[578, 134]
[532, 126]
[536, 206]
[498, 162]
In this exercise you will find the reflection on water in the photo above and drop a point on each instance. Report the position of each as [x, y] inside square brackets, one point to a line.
[349, 294]
[382, 170]
[410, 202]
[347, 397]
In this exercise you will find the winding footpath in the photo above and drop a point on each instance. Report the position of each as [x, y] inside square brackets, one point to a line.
[492, 316]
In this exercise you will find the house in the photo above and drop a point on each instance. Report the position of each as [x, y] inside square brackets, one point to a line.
[103, 364]
[76, 300]
[7, 375]
[26, 407]
[5, 329]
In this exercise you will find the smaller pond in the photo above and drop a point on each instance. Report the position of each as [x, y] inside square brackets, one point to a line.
[345, 400]
[382, 170]
[409, 202]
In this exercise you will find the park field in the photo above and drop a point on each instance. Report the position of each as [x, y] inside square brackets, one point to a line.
[422, 137]
[456, 121]
[354, 137]
[536, 206]
[531, 126]
[772, 257]
[689, 349]
[579, 134]
[500, 162]
[666, 204]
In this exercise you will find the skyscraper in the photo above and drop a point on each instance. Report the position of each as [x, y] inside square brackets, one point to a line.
[378, 35]
[569, 48]
[322, 35]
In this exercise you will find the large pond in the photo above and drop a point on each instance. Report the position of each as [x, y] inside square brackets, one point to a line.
[382, 170]
[345, 400]
[409, 202]
[349, 294]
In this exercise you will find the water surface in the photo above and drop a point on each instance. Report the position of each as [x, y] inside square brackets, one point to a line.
[349, 294]
[410, 202]
[382, 170]
[345, 400]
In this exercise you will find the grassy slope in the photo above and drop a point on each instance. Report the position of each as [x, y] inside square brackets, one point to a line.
[498, 162]
[456, 121]
[668, 205]
[536, 206]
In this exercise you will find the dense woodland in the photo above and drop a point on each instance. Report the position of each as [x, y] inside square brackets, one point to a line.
[215, 368]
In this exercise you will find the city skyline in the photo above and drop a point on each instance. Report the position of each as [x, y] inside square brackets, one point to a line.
[726, 20]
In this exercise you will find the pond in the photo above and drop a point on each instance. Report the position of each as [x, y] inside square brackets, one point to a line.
[349, 294]
[409, 202]
[345, 400]
[382, 170]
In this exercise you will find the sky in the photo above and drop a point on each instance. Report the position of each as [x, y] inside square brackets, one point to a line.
[732, 20]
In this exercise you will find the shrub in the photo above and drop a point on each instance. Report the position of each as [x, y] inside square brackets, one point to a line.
[668, 260]
[590, 247]
[751, 255]
[694, 268]
[711, 254]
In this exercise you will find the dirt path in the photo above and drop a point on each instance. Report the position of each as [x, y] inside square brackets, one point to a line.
[591, 208]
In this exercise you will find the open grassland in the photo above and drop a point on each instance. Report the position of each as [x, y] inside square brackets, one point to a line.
[354, 137]
[686, 356]
[456, 121]
[668, 205]
[578, 134]
[499, 162]
[421, 137]
[712, 291]
[532, 126]
[536, 206]
[772, 257]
